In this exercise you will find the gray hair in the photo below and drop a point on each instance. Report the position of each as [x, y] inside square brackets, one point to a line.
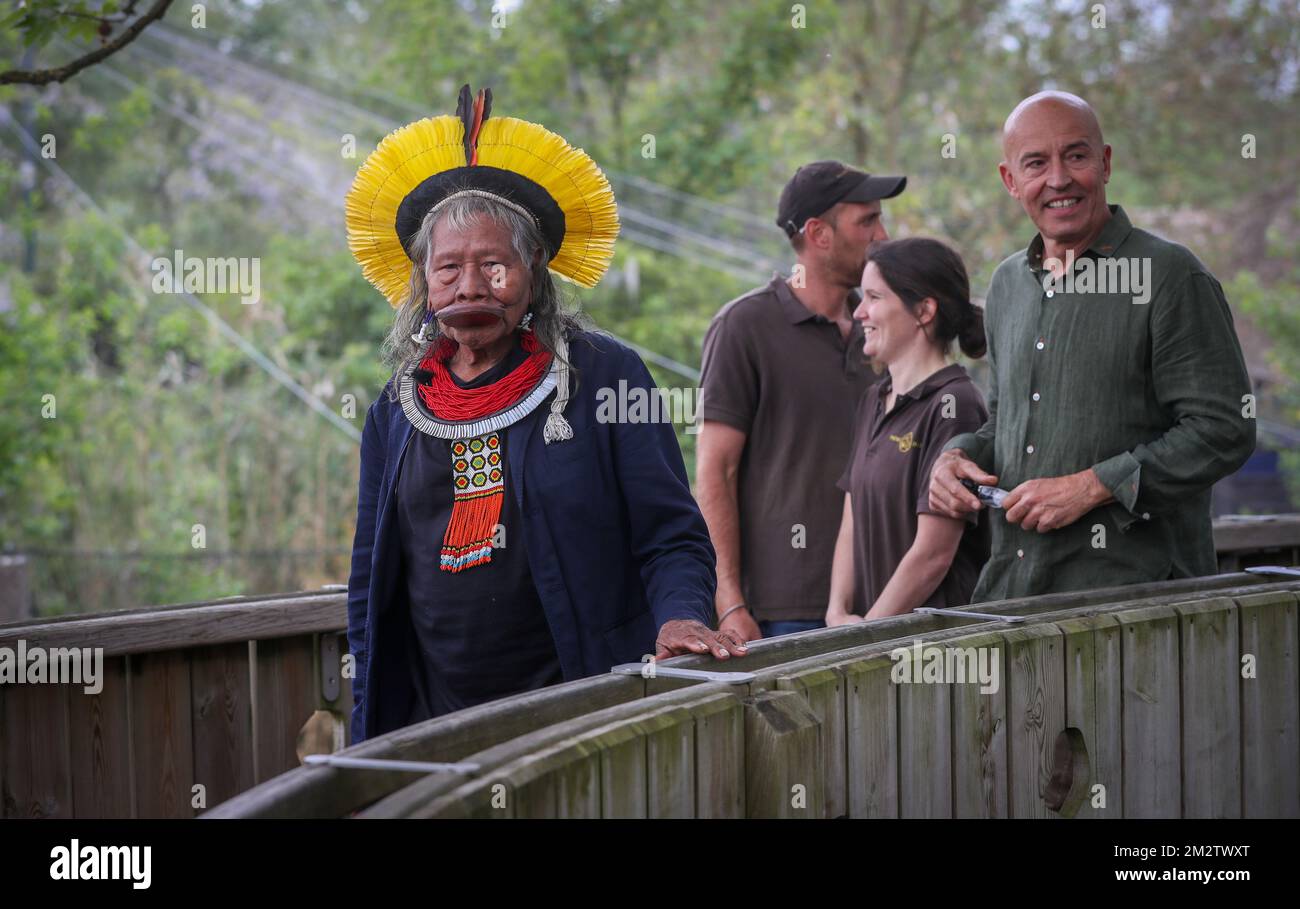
[552, 323]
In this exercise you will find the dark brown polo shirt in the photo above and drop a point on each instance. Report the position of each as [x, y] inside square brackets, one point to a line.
[784, 376]
[888, 481]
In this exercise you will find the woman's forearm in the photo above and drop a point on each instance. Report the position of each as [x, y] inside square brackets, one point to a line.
[842, 586]
[914, 580]
[922, 569]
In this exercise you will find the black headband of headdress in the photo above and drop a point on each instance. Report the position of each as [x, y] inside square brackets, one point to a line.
[498, 181]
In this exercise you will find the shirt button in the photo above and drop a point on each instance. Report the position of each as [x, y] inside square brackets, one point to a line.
[1037, 396]
[1146, 516]
[1020, 553]
[1029, 449]
[1041, 344]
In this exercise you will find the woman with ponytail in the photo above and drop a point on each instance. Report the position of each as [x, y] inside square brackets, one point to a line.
[893, 554]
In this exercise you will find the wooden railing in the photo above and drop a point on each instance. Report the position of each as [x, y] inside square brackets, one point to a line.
[210, 695]
[202, 702]
[1129, 702]
[1243, 541]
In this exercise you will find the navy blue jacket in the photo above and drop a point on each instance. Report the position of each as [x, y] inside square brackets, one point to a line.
[615, 541]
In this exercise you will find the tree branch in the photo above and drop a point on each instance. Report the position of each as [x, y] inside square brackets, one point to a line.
[62, 73]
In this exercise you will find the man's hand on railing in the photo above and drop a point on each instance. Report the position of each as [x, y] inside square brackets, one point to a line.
[689, 636]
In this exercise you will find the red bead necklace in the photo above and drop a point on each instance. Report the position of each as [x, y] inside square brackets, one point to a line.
[448, 401]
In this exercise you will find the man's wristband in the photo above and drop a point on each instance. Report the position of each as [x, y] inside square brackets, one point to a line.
[722, 618]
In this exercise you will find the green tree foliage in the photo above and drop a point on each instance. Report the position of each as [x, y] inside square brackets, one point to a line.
[162, 424]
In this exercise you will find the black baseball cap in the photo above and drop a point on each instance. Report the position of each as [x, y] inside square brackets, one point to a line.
[816, 188]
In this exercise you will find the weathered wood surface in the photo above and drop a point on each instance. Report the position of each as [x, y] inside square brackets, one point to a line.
[979, 733]
[103, 782]
[924, 750]
[221, 689]
[138, 749]
[823, 690]
[1211, 708]
[37, 781]
[1093, 693]
[784, 767]
[327, 792]
[1116, 674]
[177, 627]
[1270, 717]
[287, 685]
[169, 734]
[1152, 712]
[624, 744]
[334, 792]
[1256, 533]
[162, 737]
[1035, 679]
[720, 756]
[871, 723]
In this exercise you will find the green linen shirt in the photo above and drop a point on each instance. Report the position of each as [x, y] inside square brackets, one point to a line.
[1146, 386]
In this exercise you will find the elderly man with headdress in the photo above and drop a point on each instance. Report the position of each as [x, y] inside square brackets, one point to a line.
[506, 538]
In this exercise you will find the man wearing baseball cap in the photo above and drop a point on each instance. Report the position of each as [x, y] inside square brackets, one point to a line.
[783, 369]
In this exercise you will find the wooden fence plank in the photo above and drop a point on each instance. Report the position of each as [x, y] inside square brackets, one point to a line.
[871, 731]
[979, 729]
[1270, 726]
[719, 757]
[784, 766]
[161, 734]
[569, 787]
[622, 771]
[100, 751]
[1093, 705]
[670, 764]
[1211, 707]
[1152, 713]
[222, 707]
[1035, 674]
[924, 744]
[823, 689]
[286, 696]
[34, 743]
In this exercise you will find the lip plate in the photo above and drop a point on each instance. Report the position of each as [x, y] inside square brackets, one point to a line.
[470, 315]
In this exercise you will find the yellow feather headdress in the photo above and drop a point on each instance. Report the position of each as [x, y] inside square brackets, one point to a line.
[423, 163]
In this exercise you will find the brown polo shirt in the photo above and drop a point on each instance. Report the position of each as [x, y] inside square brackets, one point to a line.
[888, 481]
[785, 377]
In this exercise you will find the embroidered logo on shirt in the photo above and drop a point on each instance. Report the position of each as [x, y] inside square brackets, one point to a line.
[905, 443]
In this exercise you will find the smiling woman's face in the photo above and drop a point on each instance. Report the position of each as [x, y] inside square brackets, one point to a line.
[478, 287]
[889, 329]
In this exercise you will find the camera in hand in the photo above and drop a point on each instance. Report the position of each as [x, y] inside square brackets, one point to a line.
[989, 495]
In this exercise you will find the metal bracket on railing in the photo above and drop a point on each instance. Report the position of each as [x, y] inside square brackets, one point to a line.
[651, 670]
[967, 614]
[330, 667]
[336, 760]
[1274, 569]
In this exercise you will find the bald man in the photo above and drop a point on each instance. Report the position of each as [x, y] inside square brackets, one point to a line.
[1119, 393]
